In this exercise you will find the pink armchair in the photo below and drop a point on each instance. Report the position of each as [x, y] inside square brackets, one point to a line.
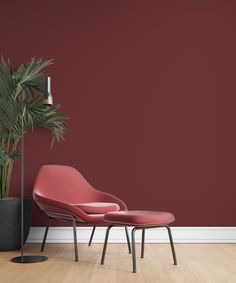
[63, 194]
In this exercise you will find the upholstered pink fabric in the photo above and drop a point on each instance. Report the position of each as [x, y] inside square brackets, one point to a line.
[57, 188]
[139, 218]
[98, 207]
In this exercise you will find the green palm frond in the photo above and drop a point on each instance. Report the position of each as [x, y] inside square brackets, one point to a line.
[38, 115]
[20, 96]
[29, 76]
[6, 159]
[9, 107]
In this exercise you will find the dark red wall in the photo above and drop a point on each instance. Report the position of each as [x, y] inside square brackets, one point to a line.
[150, 91]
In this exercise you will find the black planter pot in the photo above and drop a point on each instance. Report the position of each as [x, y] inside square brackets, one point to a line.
[10, 223]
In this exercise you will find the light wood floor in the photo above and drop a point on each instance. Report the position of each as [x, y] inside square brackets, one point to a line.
[210, 263]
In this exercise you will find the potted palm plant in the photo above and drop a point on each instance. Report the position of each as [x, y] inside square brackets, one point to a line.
[21, 92]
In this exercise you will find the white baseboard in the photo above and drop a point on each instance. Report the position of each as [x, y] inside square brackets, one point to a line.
[117, 235]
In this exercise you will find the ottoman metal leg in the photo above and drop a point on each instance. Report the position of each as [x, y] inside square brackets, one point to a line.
[46, 233]
[172, 244]
[91, 237]
[105, 243]
[75, 238]
[143, 242]
[127, 237]
[133, 242]
[133, 249]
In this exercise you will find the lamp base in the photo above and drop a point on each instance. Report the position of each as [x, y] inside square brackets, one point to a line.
[29, 259]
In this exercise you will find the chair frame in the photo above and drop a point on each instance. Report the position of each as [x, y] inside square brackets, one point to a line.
[72, 219]
[142, 244]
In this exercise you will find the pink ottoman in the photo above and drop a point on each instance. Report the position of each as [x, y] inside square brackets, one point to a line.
[140, 220]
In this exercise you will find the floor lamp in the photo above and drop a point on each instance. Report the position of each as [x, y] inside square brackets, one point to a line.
[47, 100]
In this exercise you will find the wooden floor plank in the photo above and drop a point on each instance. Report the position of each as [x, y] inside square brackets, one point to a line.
[197, 263]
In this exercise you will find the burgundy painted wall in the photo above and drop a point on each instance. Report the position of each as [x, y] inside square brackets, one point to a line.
[149, 88]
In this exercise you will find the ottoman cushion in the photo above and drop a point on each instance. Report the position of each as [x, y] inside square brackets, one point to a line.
[139, 218]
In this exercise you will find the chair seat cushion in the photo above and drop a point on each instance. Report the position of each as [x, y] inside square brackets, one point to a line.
[98, 207]
[139, 218]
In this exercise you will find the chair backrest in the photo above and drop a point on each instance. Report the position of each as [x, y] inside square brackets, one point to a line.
[64, 183]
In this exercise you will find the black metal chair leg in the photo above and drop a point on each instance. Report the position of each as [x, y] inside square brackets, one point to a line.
[143, 242]
[91, 237]
[46, 233]
[133, 249]
[172, 245]
[105, 244]
[128, 241]
[75, 239]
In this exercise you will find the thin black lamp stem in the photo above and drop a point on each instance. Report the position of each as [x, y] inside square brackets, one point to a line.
[22, 182]
[22, 258]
